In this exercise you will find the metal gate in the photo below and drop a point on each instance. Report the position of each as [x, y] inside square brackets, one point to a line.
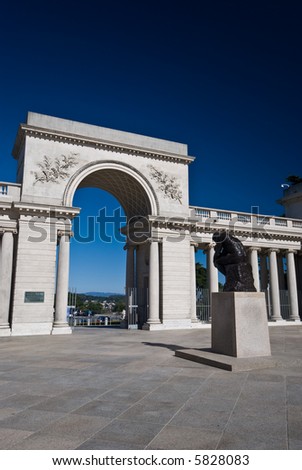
[284, 303]
[137, 306]
[203, 307]
[203, 304]
[132, 308]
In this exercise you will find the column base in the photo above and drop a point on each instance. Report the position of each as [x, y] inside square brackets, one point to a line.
[124, 324]
[5, 330]
[29, 329]
[172, 324]
[152, 326]
[199, 324]
[61, 329]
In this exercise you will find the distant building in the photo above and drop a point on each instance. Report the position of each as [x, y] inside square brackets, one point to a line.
[292, 201]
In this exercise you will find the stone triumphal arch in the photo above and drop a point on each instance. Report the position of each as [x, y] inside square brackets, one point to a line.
[149, 177]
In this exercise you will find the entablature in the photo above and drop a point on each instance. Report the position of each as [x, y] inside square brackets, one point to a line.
[46, 210]
[86, 141]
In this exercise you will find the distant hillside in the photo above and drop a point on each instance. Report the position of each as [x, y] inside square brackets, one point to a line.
[102, 294]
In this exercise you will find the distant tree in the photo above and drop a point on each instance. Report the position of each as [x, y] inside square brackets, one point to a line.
[119, 306]
[293, 179]
[201, 276]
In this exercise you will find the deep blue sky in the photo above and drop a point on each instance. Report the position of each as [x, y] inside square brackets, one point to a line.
[222, 76]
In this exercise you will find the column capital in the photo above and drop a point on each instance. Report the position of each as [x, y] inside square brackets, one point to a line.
[195, 244]
[3, 230]
[253, 248]
[128, 245]
[208, 247]
[291, 250]
[154, 240]
[62, 233]
[273, 250]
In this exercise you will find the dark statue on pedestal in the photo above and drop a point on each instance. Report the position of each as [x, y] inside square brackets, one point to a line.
[231, 260]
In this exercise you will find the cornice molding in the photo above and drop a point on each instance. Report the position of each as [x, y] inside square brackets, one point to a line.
[5, 205]
[41, 209]
[175, 223]
[83, 141]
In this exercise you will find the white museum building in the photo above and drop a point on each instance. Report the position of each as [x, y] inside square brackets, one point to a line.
[149, 177]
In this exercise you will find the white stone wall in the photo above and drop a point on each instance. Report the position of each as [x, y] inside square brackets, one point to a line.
[176, 281]
[35, 271]
[38, 149]
[54, 157]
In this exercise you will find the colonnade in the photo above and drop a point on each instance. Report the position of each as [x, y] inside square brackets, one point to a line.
[268, 272]
[267, 266]
[272, 276]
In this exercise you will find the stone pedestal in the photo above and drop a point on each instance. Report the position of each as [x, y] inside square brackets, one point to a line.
[240, 338]
[239, 324]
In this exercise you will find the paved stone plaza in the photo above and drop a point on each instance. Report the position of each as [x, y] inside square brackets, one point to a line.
[123, 389]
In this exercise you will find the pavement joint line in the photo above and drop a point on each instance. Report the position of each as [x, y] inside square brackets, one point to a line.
[286, 413]
[232, 411]
[180, 409]
[116, 418]
[98, 396]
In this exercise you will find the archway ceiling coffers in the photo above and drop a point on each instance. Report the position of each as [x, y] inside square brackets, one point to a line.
[123, 187]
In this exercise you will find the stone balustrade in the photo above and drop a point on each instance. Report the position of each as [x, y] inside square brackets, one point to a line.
[244, 220]
[9, 191]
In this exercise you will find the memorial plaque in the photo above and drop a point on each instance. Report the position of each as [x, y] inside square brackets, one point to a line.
[34, 297]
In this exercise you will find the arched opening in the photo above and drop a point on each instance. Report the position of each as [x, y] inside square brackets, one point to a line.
[115, 199]
[124, 182]
[97, 257]
[124, 188]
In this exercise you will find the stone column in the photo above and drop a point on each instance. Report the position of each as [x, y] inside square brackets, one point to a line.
[292, 286]
[60, 323]
[253, 252]
[263, 272]
[193, 282]
[298, 259]
[154, 283]
[6, 281]
[212, 274]
[212, 271]
[274, 285]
